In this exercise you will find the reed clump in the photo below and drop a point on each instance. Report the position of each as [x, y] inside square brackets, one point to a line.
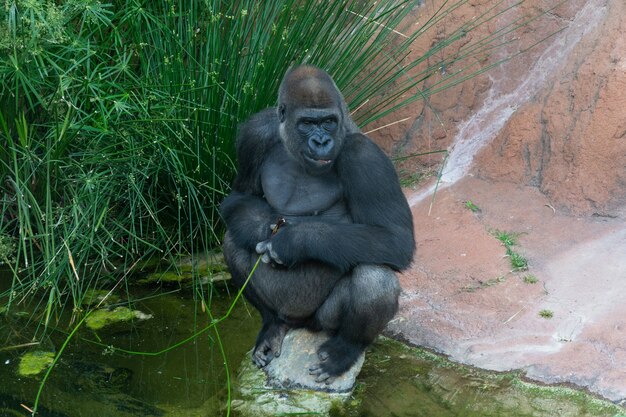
[117, 120]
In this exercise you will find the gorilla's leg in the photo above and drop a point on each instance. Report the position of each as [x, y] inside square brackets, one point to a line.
[269, 341]
[357, 310]
[283, 297]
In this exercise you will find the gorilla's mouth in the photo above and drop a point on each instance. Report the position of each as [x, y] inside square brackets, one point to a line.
[318, 162]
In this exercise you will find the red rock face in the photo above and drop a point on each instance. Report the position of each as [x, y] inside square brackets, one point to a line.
[570, 139]
[539, 144]
[566, 133]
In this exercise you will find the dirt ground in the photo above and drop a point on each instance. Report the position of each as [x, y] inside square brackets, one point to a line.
[461, 297]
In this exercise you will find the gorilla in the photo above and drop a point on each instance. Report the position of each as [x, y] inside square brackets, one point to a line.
[322, 205]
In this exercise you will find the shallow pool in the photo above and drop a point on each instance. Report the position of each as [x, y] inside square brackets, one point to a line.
[92, 378]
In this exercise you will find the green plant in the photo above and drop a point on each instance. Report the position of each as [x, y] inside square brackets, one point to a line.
[518, 262]
[530, 279]
[508, 239]
[117, 120]
[7, 250]
[472, 207]
[410, 178]
[546, 314]
[484, 284]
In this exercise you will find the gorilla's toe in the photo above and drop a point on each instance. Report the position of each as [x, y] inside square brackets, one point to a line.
[320, 375]
[262, 354]
[269, 345]
[336, 356]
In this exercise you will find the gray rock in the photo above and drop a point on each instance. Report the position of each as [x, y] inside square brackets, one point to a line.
[291, 369]
[285, 387]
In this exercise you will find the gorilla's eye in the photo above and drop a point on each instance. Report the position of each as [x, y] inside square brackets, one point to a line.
[306, 125]
[329, 124]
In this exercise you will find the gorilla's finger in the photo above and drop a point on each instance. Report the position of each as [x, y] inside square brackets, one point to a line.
[274, 255]
[265, 258]
[258, 360]
[277, 347]
[261, 247]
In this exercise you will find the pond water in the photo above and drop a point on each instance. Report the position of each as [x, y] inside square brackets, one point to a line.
[91, 379]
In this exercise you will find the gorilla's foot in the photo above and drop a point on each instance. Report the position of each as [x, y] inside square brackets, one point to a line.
[336, 356]
[269, 344]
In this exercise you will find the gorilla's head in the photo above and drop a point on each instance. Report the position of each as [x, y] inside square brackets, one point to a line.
[313, 116]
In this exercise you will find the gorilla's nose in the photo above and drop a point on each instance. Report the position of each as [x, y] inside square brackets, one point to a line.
[321, 146]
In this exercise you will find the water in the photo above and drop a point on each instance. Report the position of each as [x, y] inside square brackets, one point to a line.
[89, 377]
[191, 380]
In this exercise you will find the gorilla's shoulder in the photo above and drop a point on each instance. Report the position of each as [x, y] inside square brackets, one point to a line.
[262, 127]
[361, 161]
[255, 138]
[357, 146]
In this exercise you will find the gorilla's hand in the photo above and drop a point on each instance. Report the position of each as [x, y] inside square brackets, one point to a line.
[267, 252]
[265, 247]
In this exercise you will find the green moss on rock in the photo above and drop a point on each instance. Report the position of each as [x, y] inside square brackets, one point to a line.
[254, 398]
[406, 378]
[35, 362]
[94, 297]
[101, 318]
[165, 277]
[208, 267]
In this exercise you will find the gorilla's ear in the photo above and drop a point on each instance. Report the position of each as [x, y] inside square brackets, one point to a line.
[281, 113]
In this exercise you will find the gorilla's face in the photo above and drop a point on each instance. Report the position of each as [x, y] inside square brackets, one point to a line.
[313, 136]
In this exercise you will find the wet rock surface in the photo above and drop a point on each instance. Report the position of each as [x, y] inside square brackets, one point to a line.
[284, 386]
[299, 352]
[462, 299]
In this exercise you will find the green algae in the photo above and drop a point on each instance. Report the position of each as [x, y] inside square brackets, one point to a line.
[101, 318]
[400, 378]
[95, 297]
[35, 362]
[208, 267]
[166, 277]
[253, 398]
[396, 380]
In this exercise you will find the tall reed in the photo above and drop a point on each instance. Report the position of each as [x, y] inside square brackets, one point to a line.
[117, 120]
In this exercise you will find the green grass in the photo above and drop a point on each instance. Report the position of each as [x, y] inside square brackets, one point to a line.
[530, 279]
[117, 120]
[472, 207]
[411, 178]
[546, 314]
[518, 262]
[484, 284]
[508, 239]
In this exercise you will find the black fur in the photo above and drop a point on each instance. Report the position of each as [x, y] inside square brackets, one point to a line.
[331, 267]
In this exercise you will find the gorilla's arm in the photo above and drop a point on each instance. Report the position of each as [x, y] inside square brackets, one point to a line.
[246, 213]
[255, 139]
[382, 232]
[247, 218]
